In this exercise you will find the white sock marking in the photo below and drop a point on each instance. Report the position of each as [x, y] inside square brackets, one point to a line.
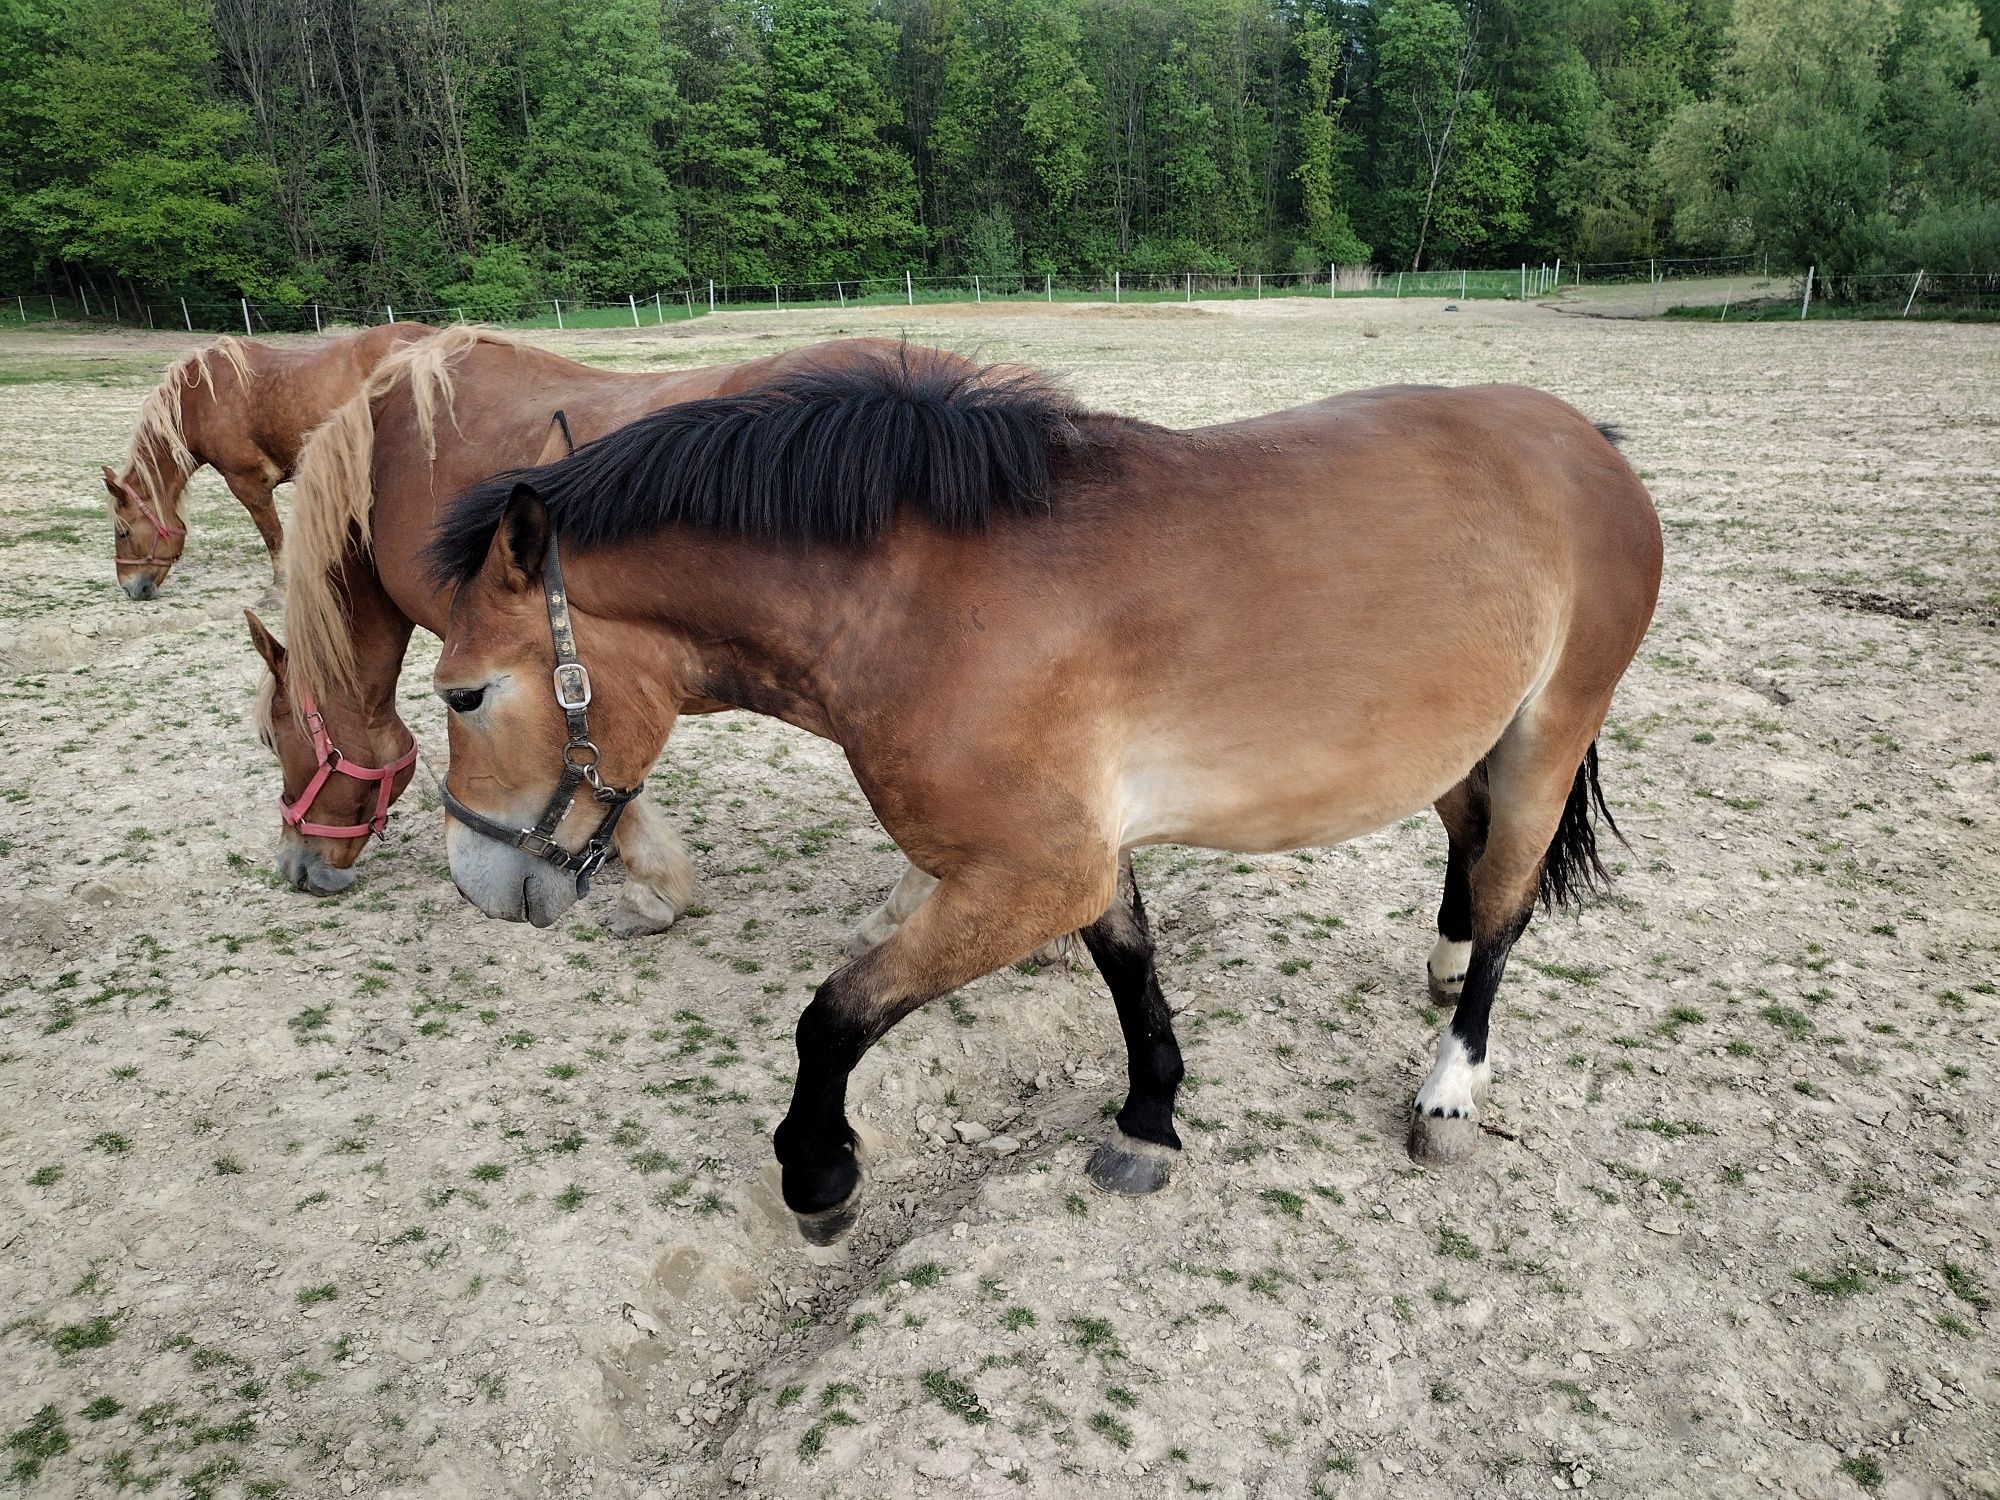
[1456, 1082]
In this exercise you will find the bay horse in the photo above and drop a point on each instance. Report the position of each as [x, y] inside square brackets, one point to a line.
[245, 408]
[431, 420]
[1044, 637]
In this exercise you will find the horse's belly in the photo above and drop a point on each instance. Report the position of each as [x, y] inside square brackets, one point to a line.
[1262, 798]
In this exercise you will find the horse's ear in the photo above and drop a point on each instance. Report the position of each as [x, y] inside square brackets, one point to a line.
[521, 541]
[268, 646]
[111, 483]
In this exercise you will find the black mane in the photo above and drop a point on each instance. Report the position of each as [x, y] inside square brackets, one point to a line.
[823, 455]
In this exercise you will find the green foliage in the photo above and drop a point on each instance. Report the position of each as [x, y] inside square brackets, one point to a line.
[484, 154]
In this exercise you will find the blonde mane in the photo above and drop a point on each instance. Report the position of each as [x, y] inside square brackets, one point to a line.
[159, 454]
[333, 503]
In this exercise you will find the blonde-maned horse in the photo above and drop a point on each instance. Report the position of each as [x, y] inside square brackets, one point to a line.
[245, 408]
[431, 420]
[1045, 637]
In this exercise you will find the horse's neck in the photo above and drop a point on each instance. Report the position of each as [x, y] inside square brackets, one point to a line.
[743, 624]
[381, 634]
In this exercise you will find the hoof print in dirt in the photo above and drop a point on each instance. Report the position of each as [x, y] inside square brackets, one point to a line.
[1441, 1140]
[1130, 1167]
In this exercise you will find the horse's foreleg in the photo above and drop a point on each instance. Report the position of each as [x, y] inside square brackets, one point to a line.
[1533, 774]
[1140, 1153]
[254, 491]
[659, 883]
[971, 924]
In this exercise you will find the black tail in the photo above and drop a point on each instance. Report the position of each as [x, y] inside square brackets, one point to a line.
[1572, 870]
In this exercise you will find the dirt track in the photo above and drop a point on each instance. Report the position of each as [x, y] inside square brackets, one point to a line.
[372, 1196]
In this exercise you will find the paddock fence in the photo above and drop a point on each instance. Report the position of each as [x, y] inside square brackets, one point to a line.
[1915, 293]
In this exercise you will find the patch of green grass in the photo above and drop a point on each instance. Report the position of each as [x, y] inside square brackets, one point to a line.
[1456, 1243]
[111, 1143]
[1965, 1286]
[103, 1407]
[1864, 1471]
[1097, 1336]
[1794, 1023]
[489, 1171]
[956, 1397]
[571, 1198]
[1848, 1281]
[47, 1176]
[1291, 1205]
[1014, 1319]
[310, 1296]
[40, 1439]
[92, 1333]
[1112, 1429]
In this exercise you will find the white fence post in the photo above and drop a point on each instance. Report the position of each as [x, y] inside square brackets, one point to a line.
[659, 308]
[840, 291]
[976, 297]
[1913, 293]
[634, 302]
[185, 318]
[1117, 287]
[689, 294]
[777, 300]
[246, 316]
[1399, 283]
[1559, 273]
[1461, 283]
[1190, 286]
[1524, 281]
[1260, 285]
[21, 306]
[1806, 301]
[1049, 285]
[909, 290]
[316, 323]
[711, 294]
[390, 306]
[84, 297]
[558, 307]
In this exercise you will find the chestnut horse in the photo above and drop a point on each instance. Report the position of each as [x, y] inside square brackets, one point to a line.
[431, 420]
[1044, 637]
[246, 408]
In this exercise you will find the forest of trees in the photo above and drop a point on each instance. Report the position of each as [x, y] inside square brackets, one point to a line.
[487, 151]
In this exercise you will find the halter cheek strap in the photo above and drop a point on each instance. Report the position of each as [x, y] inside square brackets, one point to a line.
[572, 688]
[330, 762]
[162, 528]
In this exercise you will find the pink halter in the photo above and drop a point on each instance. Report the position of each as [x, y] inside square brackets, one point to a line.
[330, 761]
[162, 529]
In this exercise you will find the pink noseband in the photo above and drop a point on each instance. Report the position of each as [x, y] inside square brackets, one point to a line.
[162, 529]
[330, 761]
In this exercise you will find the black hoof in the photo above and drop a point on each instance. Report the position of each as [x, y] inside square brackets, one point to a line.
[826, 1198]
[828, 1225]
[1131, 1167]
[1441, 997]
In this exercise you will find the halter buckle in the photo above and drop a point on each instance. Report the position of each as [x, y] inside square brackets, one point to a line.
[572, 681]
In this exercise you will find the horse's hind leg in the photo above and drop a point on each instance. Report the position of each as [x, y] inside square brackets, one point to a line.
[659, 883]
[1462, 810]
[1141, 1151]
[1539, 789]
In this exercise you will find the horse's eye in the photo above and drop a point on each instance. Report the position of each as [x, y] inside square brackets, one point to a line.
[464, 700]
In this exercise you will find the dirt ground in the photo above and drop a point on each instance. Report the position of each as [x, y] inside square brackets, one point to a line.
[372, 1196]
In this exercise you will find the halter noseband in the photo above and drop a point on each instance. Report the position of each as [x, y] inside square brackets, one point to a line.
[162, 529]
[331, 761]
[572, 685]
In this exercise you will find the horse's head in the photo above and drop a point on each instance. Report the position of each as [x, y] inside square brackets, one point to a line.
[147, 533]
[343, 767]
[544, 755]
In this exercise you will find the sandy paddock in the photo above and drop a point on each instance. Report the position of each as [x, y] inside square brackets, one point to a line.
[372, 1196]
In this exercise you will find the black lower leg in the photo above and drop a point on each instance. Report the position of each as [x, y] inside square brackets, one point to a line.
[1470, 1021]
[814, 1143]
[1455, 908]
[1122, 947]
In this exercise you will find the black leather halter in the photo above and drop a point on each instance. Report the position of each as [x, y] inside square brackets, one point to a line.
[572, 684]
